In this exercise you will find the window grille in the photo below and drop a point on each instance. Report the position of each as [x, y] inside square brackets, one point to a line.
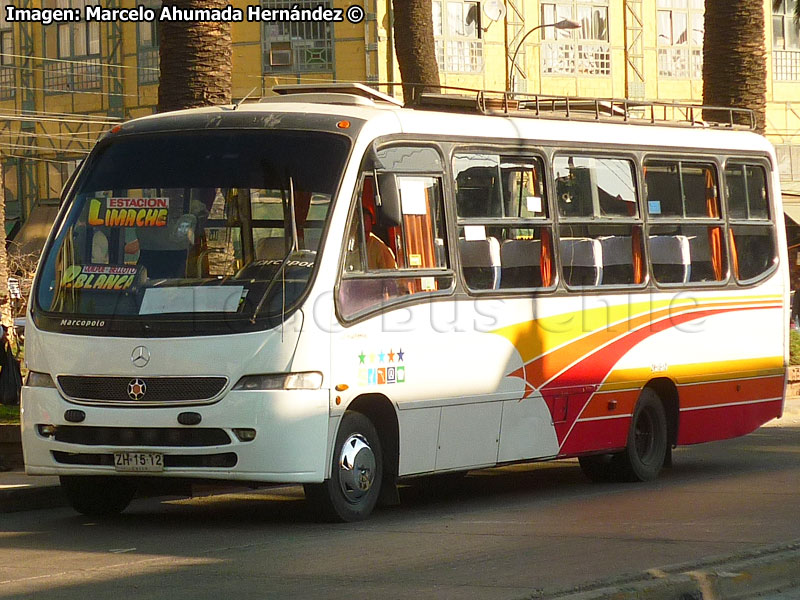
[681, 27]
[457, 34]
[147, 38]
[785, 42]
[584, 51]
[77, 48]
[7, 73]
[297, 47]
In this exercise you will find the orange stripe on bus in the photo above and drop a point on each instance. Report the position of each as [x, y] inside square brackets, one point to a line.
[611, 404]
[730, 392]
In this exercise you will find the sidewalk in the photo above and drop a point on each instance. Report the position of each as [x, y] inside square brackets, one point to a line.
[20, 492]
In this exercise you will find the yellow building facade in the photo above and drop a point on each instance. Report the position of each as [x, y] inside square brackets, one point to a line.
[63, 84]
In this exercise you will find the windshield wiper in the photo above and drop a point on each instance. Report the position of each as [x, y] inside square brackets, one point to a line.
[294, 249]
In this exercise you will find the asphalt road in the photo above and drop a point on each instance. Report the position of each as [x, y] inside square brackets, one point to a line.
[505, 533]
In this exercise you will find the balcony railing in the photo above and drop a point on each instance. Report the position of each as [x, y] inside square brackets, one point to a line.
[576, 57]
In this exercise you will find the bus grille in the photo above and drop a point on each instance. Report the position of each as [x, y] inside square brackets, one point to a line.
[226, 460]
[158, 389]
[141, 436]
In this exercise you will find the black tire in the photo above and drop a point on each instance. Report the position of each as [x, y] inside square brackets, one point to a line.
[644, 455]
[601, 468]
[98, 496]
[356, 473]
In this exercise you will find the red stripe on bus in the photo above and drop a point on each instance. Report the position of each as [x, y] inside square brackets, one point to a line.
[723, 422]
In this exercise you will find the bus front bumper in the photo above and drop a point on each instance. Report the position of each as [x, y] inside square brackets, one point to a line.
[290, 430]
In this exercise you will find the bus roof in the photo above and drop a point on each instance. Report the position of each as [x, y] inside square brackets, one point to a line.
[319, 109]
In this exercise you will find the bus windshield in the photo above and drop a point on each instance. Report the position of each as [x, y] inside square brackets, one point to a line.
[169, 224]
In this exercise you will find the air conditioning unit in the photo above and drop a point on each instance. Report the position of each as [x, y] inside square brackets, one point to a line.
[280, 54]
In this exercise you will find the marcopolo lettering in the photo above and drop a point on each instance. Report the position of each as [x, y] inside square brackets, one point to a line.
[79, 323]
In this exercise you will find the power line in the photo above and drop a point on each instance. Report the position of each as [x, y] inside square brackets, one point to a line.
[68, 138]
[100, 92]
[22, 111]
[99, 75]
[55, 120]
[39, 159]
[27, 147]
[92, 63]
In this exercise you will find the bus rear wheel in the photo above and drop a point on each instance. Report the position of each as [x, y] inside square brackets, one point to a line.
[646, 448]
[644, 455]
[356, 473]
[98, 496]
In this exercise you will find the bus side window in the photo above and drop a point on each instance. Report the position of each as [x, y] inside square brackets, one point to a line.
[687, 234]
[751, 236]
[516, 252]
[381, 257]
[601, 228]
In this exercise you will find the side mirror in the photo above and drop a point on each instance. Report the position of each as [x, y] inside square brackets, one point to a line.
[387, 200]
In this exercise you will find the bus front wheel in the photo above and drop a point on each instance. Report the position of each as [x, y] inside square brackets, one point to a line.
[98, 496]
[356, 473]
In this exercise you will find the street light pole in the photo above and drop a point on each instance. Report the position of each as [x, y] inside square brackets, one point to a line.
[562, 24]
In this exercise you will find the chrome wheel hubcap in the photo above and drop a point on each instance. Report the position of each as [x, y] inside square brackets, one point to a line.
[356, 468]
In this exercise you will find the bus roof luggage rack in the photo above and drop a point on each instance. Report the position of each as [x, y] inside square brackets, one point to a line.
[352, 89]
[581, 108]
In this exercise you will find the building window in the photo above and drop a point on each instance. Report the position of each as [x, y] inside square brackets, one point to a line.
[147, 49]
[7, 73]
[584, 51]
[76, 46]
[297, 47]
[680, 38]
[785, 41]
[58, 173]
[457, 31]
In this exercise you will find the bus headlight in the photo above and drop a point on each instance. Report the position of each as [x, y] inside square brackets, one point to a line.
[311, 380]
[39, 380]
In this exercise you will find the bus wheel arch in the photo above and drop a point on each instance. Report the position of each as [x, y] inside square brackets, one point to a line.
[380, 410]
[364, 462]
[652, 433]
[668, 393]
[648, 439]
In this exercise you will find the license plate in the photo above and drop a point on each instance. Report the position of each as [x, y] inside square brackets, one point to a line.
[139, 462]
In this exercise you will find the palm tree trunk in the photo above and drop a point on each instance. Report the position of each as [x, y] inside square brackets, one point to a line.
[735, 57]
[414, 45]
[195, 60]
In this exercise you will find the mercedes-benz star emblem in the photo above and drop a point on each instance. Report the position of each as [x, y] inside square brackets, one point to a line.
[140, 356]
[137, 389]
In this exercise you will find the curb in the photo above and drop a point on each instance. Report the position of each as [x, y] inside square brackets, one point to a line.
[736, 577]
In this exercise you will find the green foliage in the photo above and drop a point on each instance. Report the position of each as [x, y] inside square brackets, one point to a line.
[794, 347]
[9, 415]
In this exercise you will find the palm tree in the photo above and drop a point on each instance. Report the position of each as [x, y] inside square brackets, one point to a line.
[413, 42]
[735, 57]
[195, 59]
